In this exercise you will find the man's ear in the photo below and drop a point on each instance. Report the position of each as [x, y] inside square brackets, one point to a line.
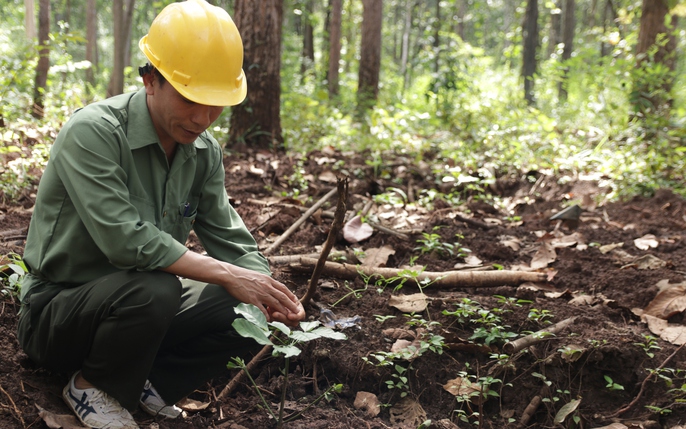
[149, 80]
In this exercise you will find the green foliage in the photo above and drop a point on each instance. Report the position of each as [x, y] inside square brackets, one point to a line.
[254, 325]
[11, 275]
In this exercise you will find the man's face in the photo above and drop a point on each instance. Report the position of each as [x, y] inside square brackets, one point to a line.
[176, 119]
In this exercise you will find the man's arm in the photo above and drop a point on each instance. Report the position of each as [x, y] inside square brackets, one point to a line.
[247, 286]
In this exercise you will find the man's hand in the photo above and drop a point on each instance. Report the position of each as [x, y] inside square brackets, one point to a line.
[250, 287]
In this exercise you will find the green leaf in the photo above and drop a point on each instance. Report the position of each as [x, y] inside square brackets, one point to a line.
[287, 351]
[329, 333]
[303, 337]
[249, 330]
[252, 314]
[281, 327]
[308, 326]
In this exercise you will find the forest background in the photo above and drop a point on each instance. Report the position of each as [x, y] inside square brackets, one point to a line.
[485, 87]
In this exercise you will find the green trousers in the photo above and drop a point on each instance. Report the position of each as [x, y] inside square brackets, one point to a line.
[124, 328]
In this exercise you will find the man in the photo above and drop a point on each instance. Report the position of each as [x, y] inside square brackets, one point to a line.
[113, 294]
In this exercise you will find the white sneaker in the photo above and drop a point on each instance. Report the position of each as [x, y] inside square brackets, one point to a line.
[96, 408]
[153, 404]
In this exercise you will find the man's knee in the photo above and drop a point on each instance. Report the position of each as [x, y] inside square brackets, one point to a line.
[155, 292]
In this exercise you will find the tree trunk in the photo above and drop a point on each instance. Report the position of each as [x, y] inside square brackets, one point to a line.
[116, 85]
[128, 21]
[656, 45]
[609, 16]
[461, 13]
[554, 38]
[404, 56]
[370, 55]
[30, 19]
[91, 41]
[256, 120]
[43, 66]
[307, 57]
[568, 25]
[530, 36]
[437, 44]
[334, 46]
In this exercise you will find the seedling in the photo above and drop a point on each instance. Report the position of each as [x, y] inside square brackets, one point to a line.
[254, 325]
[650, 344]
[13, 273]
[611, 384]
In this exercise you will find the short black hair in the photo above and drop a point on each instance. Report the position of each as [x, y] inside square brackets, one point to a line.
[148, 68]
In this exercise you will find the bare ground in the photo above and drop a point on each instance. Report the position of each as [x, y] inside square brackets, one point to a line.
[576, 374]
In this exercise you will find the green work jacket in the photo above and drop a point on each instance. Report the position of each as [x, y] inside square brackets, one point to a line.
[109, 201]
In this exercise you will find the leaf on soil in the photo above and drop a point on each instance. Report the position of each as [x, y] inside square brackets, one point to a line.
[355, 230]
[470, 261]
[367, 402]
[572, 352]
[376, 256]
[607, 248]
[57, 421]
[407, 414]
[415, 302]
[583, 299]
[536, 286]
[567, 240]
[328, 176]
[464, 388]
[646, 262]
[566, 410]
[544, 255]
[513, 243]
[188, 404]
[646, 242]
[675, 334]
[613, 426]
[667, 303]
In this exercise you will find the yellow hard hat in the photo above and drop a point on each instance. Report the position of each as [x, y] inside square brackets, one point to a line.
[197, 48]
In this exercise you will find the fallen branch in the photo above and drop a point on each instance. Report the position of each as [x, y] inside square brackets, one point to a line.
[441, 280]
[291, 259]
[298, 222]
[233, 383]
[14, 408]
[643, 385]
[536, 337]
[389, 231]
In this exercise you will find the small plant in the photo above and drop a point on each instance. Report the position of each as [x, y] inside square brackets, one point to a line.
[432, 243]
[611, 384]
[399, 380]
[540, 316]
[379, 318]
[254, 325]
[650, 344]
[13, 273]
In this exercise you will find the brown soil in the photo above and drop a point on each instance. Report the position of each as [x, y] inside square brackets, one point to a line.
[606, 331]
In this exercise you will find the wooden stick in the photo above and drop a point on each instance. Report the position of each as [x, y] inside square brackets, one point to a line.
[231, 385]
[336, 226]
[342, 189]
[389, 231]
[536, 337]
[298, 222]
[14, 407]
[291, 259]
[447, 279]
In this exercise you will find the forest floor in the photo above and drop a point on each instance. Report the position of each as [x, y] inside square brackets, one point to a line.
[600, 275]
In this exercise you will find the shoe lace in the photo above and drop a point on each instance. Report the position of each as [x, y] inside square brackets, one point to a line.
[107, 405]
